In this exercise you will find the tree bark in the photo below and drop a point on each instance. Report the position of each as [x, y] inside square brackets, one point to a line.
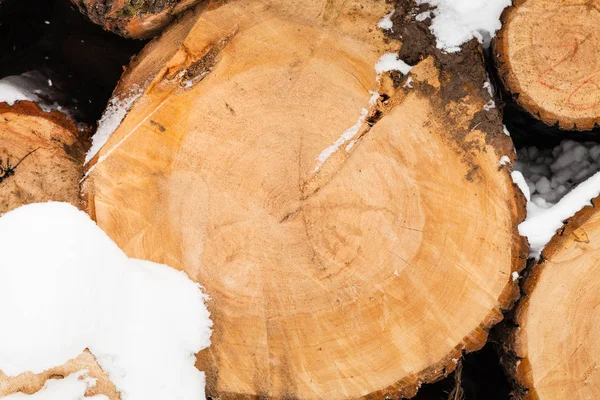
[546, 57]
[355, 232]
[551, 349]
[137, 19]
[41, 156]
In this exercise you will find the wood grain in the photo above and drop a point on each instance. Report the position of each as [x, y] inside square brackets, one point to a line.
[364, 275]
[547, 56]
[554, 347]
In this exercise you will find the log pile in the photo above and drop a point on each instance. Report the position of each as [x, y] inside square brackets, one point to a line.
[342, 192]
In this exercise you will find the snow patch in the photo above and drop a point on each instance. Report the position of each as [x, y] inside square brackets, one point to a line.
[68, 287]
[561, 181]
[423, 16]
[29, 86]
[386, 22]
[374, 97]
[515, 276]
[490, 105]
[346, 137]
[504, 160]
[112, 117]
[408, 83]
[455, 22]
[72, 387]
[390, 62]
[542, 223]
[519, 180]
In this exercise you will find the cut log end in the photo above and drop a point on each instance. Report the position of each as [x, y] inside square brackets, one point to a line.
[547, 56]
[353, 244]
[552, 350]
[41, 156]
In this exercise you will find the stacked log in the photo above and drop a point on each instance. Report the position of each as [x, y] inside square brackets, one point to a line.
[546, 55]
[552, 350]
[354, 230]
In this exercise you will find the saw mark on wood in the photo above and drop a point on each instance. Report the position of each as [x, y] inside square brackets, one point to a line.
[570, 54]
[588, 81]
[573, 50]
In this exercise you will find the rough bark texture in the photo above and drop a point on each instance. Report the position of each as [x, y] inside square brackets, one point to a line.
[551, 350]
[137, 19]
[547, 56]
[41, 157]
[362, 274]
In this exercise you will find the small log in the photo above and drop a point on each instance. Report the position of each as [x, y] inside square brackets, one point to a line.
[551, 350]
[355, 232]
[546, 54]
[136, 19]
[41, 156]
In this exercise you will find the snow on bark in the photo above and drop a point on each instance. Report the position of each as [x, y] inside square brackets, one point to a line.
[456, 22]
[560, 182]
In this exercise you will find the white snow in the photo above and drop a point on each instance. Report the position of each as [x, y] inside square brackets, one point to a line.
[489, 105]
[504, 160]
[551, 173]
[489, 87]
[408, 83]
[346, 136]
[457, 21]
[386, 22]
[560, 182]
[115, 112]
[515, 276]
[66, 286]
[374, 97]
[17, 88]
[72, 387]
[423, 16]
[390, 62]
[32, 86]
[519, 180]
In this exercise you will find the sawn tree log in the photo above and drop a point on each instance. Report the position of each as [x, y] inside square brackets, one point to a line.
[552, 350]
[356, 233]
[547, 56]
[41, 155]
